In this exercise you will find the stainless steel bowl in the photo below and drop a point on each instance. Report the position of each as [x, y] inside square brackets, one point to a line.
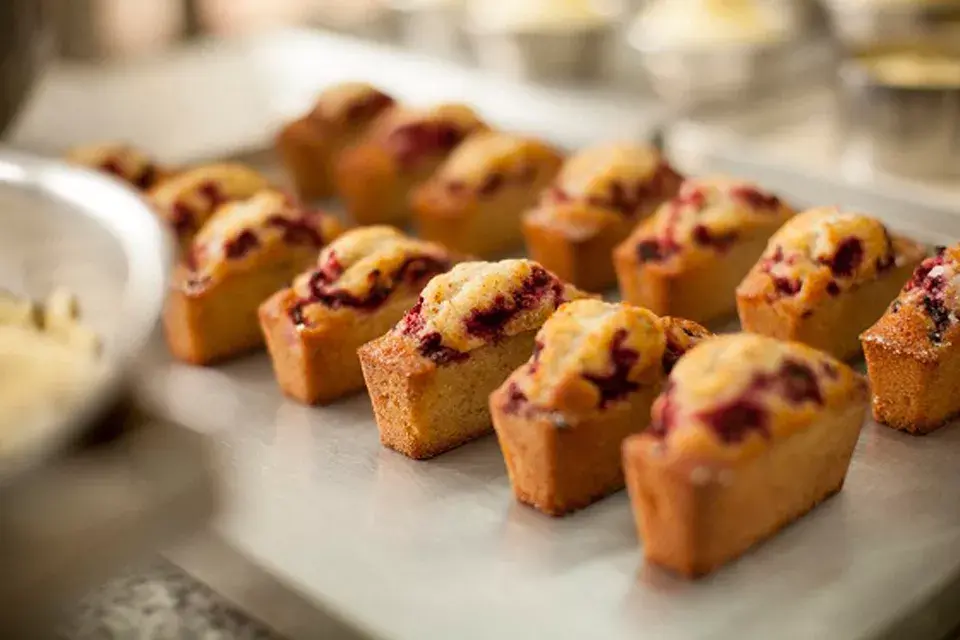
[433, 29]
[859, 23]
[575, 55]
[23, 48]
[64, 226]
[738, 73]
[908, 130]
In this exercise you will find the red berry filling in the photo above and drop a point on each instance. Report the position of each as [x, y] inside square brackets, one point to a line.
[146, 178]
[516, 399]
[755, 198]
[934, 294]
[734, 420]
[183, 218]
[674, 350]
[368, 107]
[616, 384]
[847, 258]
[431, 346]
[413, 270]
[653, 250]
[298, 231]
[413, 142]
[489, 323]
[719, 241]
[241, 245]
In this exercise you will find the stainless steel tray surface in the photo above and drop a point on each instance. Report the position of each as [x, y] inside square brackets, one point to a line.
[439, 549]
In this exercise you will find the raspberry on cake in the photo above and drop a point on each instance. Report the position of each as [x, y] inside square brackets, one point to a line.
[749, 434]
[913, 351]
[401, 150]
[310, 145]
[361, 285]
[824, 278]
[562, 416]
[597, 199]
[475, 200]
[121, 161]
[245, 252]
[188, 199]
[688, 258]
[430, 377]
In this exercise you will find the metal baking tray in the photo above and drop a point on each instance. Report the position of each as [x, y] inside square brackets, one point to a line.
[404, 550]
[439, 549]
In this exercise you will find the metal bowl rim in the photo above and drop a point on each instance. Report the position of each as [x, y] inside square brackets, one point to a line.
[148, 250]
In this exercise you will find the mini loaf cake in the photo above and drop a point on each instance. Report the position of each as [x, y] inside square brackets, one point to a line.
[825, 277]
[597, 199]
[688, 258]
[246, 251]
[361, 286]
[475, 201]
[430, 377]
[188, 199]
[563, 415]
[748, 435]
[121, 161]
[309, 146]
[913, 351]
[400, 151]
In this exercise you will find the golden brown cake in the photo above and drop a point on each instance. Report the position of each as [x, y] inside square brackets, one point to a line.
[563, 415]
[749, 434]
[401, 150]
[474, 202]
[121, 161]
[245, 252]
[688, 258]
[597, 199]
[309, 146]
[430, 377]
[913, 351]
[188, 199]
[825, 277]
[361, 286]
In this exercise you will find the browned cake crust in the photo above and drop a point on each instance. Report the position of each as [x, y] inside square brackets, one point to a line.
[431, 376]
[244, 253]
[401, 150]
[562, 416]
[749, 434]
[596, 200]
[360, 287]
[473, 204]
[912, 353]
[309, 146]
[824, 278]
[186, 201]
[123, 162]
[688, 258]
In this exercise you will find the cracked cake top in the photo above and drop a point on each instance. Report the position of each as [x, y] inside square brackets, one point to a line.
[241, 234]
[478, 303]
[361, 269]
[707, 217]
[187, 200]
[732, 395]
[591, 354]
[627, 179]
[120, 160]
[823, 252]
[924, 317]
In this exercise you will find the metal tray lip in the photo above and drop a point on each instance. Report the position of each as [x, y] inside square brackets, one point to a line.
[934, 220]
